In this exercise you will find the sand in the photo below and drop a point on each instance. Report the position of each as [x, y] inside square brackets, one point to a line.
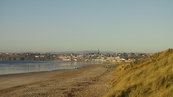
[89, 81]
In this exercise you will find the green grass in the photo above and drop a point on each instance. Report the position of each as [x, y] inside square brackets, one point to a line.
[151, 76]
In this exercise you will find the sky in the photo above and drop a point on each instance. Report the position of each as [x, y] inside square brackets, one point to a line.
[76, 25]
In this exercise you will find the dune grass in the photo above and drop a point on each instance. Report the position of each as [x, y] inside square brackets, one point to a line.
[151, 76]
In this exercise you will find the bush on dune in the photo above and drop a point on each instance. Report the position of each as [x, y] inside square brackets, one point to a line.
[151, 76]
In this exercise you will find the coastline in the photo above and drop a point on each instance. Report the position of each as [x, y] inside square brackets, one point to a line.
[18, 67]
[62, 83]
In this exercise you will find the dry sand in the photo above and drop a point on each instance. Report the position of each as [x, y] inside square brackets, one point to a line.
[89, 81]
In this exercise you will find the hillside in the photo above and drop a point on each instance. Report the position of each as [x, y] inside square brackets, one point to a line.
[151, 76]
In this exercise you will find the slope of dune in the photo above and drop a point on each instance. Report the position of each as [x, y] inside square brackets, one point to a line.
[151, 76]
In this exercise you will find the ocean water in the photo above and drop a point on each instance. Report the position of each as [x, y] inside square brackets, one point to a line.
[14, 67]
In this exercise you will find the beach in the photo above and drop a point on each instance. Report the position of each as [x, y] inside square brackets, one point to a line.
[88, 81]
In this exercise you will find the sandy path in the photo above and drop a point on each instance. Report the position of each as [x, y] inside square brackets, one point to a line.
[88, 81]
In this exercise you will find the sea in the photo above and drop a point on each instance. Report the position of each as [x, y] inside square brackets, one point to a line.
[16, 67]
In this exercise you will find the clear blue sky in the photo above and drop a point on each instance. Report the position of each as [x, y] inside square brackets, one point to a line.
[75, 25]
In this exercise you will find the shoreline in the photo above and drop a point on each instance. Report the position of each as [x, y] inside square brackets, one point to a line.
[50, 70]
[17, 75]
[59, 83]
[41, 71]
[43, 67]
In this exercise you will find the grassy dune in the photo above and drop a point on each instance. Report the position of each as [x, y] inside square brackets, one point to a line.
[151, 76]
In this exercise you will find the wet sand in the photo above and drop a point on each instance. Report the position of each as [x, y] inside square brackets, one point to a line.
[89, 81]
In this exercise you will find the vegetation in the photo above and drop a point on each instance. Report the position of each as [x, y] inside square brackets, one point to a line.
[31, 57]
[151, 76]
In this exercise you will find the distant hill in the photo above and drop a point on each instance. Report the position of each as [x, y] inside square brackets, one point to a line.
[151, 76]
[81, 52]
